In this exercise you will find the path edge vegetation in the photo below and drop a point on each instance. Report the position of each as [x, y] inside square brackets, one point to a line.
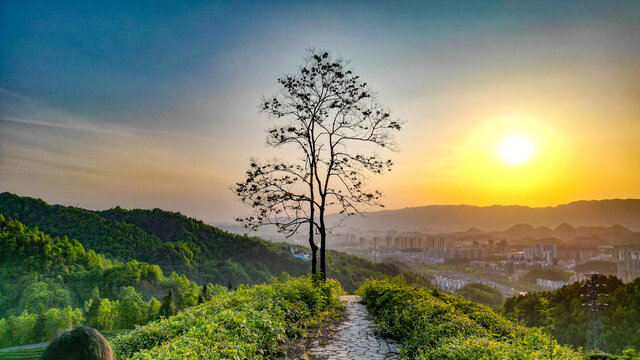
[431, 324]
[248, 323]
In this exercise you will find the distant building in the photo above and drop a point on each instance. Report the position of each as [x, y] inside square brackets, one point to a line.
[502, 247]
[627, 259]
[539, 252]
[553, 249]
[529, 253]
[448, 283]
[299, 254]
[550, 284]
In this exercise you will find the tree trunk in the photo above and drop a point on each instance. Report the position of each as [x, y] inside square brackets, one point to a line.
[323, 247]
[314, 256]
[314, 259]
[312, 243]
[323, 263]
[314, 250]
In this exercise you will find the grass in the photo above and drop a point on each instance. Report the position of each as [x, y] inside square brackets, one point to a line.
[22, 354]
[248, 323]
[433, 325]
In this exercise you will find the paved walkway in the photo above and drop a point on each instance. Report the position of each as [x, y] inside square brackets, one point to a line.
[355, 338]
[29, 346]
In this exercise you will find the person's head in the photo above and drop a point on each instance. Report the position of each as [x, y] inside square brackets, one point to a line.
[79, 343]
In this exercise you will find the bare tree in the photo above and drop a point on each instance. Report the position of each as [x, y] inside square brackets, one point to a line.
[336, 124]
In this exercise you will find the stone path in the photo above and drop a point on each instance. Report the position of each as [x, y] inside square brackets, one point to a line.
[28, 346]
[355, 338]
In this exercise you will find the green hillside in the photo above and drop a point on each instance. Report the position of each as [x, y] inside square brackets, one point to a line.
[248, 323]
[433, 325]
[31, 261]
[175, 242]
[190, 247]
[619, 319]
[51, 283]
[62, 266]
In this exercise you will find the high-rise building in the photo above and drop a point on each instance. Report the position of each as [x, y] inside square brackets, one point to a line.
[539, 250]
[553, 249]
[529, 253]
[430, 242]
[502, 247]
[628, 261]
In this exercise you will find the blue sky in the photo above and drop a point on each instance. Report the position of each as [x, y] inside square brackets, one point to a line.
[117, 58]
[129, 89]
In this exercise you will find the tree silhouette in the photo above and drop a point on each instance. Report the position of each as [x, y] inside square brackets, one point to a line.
[335, 123]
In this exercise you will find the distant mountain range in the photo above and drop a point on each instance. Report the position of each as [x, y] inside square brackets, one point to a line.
[563, 235]
[540, 220]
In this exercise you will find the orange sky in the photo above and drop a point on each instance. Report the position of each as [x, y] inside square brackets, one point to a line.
[587, 145]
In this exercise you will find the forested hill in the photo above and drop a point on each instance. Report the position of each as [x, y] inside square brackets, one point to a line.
[52, 283]
[116, 240]
[178, 243]
[40, 272]
[618, 320]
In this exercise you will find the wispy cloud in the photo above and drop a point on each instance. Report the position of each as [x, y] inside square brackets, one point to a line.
[30, 112]
[60, 125]
[118, 130]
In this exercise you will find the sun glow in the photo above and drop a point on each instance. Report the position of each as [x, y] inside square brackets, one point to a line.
[516, 149]
[510, 159]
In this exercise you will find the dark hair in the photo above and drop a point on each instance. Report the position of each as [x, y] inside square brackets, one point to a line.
[79, 343]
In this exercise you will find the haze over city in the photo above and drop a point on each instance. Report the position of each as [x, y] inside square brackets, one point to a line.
[142, 106]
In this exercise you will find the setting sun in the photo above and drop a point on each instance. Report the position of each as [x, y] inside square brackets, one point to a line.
[516, 149]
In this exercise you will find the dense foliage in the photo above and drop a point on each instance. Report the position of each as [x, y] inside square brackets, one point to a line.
[50, 284]
[177, 243]
[481, 293]
[248, 323]
[433, 325]
[619, 319]
[170, 240]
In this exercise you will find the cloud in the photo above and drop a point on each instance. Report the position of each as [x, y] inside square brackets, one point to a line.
[37, 114]
[60, 125]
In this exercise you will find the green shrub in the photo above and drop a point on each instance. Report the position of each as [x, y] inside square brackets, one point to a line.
[434, 325]
[246, 323]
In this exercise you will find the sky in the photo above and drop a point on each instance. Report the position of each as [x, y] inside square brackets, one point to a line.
[147, 105]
